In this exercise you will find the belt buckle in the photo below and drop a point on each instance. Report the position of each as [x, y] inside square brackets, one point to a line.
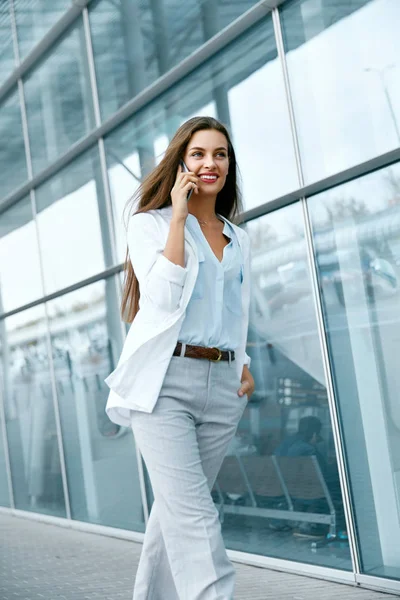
[219, 356]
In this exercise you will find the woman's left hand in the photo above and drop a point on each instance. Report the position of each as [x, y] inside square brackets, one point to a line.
[247, 380]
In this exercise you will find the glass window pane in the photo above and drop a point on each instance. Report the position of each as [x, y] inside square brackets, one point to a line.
[34, 18]
[72, 223]
[270, 490]
[29, 409]
[100, 456]
[59, 100]
[356, 234]
[20, 280]
[345, 80]
[4, 489]
[356, 231]
[149, 38]
[7, 59]
[12, 153]
[237, 77]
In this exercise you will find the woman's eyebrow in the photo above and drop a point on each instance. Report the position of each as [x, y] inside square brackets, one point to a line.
[199, 148]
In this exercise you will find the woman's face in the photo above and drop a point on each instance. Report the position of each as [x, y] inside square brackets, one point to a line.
[207, 156]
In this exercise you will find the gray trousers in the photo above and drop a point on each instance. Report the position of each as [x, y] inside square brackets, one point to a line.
[183, 443]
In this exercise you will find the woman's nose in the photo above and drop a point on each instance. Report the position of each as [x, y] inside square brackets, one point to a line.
[209, 162]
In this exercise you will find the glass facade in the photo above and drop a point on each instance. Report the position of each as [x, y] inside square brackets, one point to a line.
[70, 208]
[309, 89]
[19, 252]
[150, 38]
[30, 414]
[34, 18]
[58, 99]
[345, 80]
[7, 56]
[356, 230]
[99, 456]
[12, 154]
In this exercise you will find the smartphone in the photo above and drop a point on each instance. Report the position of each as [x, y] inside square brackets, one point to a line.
[184, 167]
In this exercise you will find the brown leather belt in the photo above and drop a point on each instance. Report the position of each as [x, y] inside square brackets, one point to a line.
[213, 354]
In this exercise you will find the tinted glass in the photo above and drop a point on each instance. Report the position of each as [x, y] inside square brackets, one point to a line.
[34, 18]
[356, 235]
[7, 59]
[12, 153]
[72, 223]
[29, 410]
[19, 257]
[4, 488]
[236, 77]
[100, 456]
[58, 99]
[136, 42]
[345, 80]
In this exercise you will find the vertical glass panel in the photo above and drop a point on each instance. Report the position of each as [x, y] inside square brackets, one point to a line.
[20, 280]
[357, 243]
[100, 456]
[12, 153]
[235, 78]
[7, 59]
[34, 18]
[278, 490]
[4, 488]
[59, 100]
[343, 60]
[72, 224]
[136, 42]
[29, 410]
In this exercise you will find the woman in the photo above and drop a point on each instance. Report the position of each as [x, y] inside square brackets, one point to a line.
[183, 380]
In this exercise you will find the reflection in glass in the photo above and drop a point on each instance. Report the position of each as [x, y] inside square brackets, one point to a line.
[7, 59]
[346, 94]
[278, 491]
[100, 456]
[4, 489]
[29, 410]
[59, 100]
[34, 18]
[219, 88]
[12, 153]
[72, 224]
[149, 38]
[356, 236]
[18, 255]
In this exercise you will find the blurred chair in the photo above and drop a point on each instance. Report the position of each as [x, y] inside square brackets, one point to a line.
[293, 487]
[308, 490]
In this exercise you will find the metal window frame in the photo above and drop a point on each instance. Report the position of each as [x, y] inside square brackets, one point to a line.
[110, 218]
[53, 380]
[4, 432]
[322, 185]
[28, 156]
[209, 49]
[322, 334]
[47, 42]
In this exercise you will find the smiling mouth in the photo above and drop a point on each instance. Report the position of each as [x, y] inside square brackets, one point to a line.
[208, 178]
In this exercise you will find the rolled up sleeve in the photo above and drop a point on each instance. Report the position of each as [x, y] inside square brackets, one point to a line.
[247, 360]
[160, 281]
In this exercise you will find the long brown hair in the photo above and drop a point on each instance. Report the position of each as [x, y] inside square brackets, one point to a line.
[154, 193]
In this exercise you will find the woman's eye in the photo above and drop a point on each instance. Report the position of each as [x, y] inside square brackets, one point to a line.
[196, 154]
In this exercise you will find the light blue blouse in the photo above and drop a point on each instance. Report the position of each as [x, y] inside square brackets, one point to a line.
[214, 313]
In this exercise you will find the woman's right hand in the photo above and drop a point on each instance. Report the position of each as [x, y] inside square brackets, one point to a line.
[185, 181]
